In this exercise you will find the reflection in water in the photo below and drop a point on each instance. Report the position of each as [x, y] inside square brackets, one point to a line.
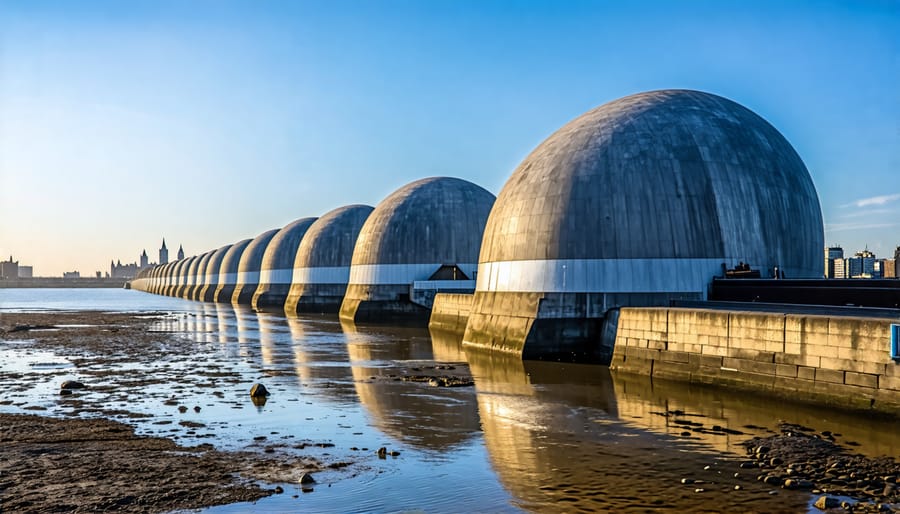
[642, 400]
[320, 357]
[428, 417]
[553, 436]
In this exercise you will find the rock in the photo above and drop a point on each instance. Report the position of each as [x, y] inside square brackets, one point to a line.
[737, 488]
[793, 483]
[382, 452]
[307, 478]
[699, 490]
[182, 409]
[773, 480]
[71, 384]
[65, 392]
[259, 391]
[775, 461]
[827, 502]
[197, 408]
[279, 489]
[393, 453]
[749, 464]
[760, 450]
[687, 481]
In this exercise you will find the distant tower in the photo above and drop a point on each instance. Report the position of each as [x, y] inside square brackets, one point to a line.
[180, 253]
[164, 253]
[145, 261]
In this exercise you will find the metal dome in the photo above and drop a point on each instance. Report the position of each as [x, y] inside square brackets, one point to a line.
[642, 200]
[276, 268]
[411, 234]
[249, 266]
[321, 268]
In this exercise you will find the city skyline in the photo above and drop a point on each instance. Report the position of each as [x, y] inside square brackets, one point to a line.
[209, 122]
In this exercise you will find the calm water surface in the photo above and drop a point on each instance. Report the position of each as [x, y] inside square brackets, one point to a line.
[528, 436]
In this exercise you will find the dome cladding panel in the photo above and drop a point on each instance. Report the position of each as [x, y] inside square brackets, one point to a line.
[232, 257]
[215, 262]
[433, 220]
[666, 174]
[282, 249]
[329, 242]
[251, 259]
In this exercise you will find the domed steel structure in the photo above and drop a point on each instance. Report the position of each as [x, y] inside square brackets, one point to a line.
[228, 272]
[277, 265]
[249, 266]
[635, 203]
[206, 290]
[425, 227]
[321, 268]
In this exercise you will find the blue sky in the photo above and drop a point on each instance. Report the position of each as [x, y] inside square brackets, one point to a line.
[206, 122]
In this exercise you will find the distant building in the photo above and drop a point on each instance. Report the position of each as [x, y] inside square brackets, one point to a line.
[71, 274]
[145, 261]
[119, 270]
[890, 268]
[180, 254]
[9, 269]
[840, 268]
[832, 255]
[26, 271]
[861, 265]
[163, 253]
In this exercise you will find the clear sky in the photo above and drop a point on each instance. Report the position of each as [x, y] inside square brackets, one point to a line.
[207, 122]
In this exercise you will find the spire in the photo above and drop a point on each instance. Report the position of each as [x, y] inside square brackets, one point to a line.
[144, 253]
[164, 244]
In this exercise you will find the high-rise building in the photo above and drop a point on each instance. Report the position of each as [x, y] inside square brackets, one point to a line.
[180, 254]
[861, 265]
[832, 255]
[163, 253]
[145, 261]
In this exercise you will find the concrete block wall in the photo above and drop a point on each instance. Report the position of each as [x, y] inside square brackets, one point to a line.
[840, 360]
[450, 312]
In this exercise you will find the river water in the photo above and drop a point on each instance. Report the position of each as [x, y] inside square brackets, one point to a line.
[532, 436]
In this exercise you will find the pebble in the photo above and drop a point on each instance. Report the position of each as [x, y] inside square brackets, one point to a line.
[259, 390]
[71, 384]
[307, 478]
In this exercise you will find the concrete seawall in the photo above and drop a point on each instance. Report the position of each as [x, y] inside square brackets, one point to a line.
[450, 312]
[840, 360]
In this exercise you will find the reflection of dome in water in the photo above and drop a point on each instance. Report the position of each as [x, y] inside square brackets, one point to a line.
[539, 416]
[637, 202]
[416, 413]
[411, 234]
[321, 266]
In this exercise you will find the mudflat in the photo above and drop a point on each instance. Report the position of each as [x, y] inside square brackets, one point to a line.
[90, 462]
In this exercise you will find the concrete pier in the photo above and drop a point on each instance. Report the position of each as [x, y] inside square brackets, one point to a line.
[827, 359]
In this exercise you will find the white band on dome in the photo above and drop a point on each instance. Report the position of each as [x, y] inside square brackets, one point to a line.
[601, 275]
[374, 274]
